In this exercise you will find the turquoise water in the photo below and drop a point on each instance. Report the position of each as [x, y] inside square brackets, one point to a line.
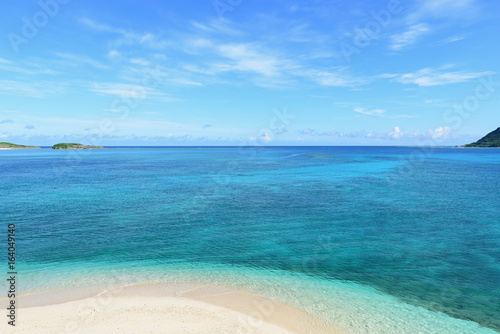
[378, 239]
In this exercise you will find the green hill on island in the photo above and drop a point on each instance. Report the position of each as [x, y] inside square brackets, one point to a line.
[73, 146]
[492, 139]
[15, 146]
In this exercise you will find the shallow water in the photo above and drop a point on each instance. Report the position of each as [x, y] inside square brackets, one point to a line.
[378, 239]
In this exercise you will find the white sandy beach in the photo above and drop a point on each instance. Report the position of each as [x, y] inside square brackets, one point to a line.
[163, 308]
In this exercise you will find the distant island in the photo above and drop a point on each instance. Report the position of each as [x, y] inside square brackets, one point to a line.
[74, 146]
[10, 146]
[492, 139]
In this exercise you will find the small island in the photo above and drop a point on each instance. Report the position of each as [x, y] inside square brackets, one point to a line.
[492, 139]
[74, 146]
[10, 146]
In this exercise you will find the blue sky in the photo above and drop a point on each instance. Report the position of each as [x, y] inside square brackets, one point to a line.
[241, 72]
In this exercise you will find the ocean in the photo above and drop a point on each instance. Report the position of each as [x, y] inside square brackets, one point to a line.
[375, 239]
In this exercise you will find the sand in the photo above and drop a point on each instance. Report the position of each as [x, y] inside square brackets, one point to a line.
[161, 308]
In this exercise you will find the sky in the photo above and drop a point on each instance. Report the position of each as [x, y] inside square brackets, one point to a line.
[249, 72]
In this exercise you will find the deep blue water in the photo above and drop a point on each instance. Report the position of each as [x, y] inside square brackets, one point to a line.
[421, 225]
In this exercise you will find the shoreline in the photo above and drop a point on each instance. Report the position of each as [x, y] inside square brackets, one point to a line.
[342, 307]
[20, 148]
[154, 307]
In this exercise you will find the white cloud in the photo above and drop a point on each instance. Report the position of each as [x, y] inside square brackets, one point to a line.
[151, 40]
[217, 26]
[280, 131]
[101, 27]
[247, 58]
[36, 89]
[313, 132]
[443, 11]
[121, 90]
[396, 133]
[308, 132]
[32, 69]
[127, 37]
[330, 133]
[337, 79]
[113, 54]
[265, 136]
[140, 61]
[434, 77]
[409, 37]
[167, 75]
[373, 112]
[446, 8]
[131, 91]
[263, 64]
[453, 39]
[272, 68]
[125, 90]
[199, 43]
[244, 57]
[404, 116]
[82, 60]
[440, 133]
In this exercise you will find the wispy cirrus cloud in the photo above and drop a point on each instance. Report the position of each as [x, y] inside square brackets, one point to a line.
[409, 37]
[134, 91]
[373, 112]
[113, 54]
[336, 77]
[147, 39]
[405, 116]
[217, 26]
[424, 15]
[263, 63]
[160, 74]
[25, 68]
[453, 39]
[80, 59]
[246, 58]
[449, 9]
[434, 77]
[124, 90]
[267, 65]
[100, 26]
[242, 57]
[38, 89]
